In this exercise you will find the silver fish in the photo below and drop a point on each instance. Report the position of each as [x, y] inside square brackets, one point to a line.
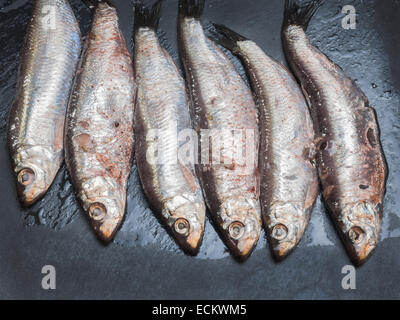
[289, 181]
[99, 125]
[162, 111]
[222, 104]
[351, 164]
[48, 62]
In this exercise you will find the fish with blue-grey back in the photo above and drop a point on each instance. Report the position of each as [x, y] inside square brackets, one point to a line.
[225, 115]
[161, 116]
[351, 164]
[288, 176]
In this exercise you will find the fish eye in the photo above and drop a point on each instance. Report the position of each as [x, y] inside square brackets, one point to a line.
[356, 234]
[236, 230]
[26, 177]
[97, 211]
[182, 226]
[279, 232]
[371, 137]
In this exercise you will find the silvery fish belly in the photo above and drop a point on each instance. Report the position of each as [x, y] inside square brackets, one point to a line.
[351, 163]
[225, 115]
[48, 62]
[289, 181]
[99, 128]
[161, 117]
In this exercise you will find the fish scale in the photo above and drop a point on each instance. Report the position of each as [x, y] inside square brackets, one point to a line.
[351, 163]
[48, 62]
[289, 184]
[99, 125]
[222, 101]
[168, 181]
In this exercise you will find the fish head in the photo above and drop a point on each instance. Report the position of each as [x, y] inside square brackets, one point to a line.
[35, 169]
[185, 216]
[240, 222]
[104, 201]
[286, 223]
[360, 225]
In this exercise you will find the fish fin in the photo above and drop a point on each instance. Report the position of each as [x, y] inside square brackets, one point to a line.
[93, 3]
[300, 15]
[191, 8]
[226, 37]
[145, 17]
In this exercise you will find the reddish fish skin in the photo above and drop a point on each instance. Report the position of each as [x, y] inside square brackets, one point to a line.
[351, 163]
[99, 124]
[222, 101]
[288, 177]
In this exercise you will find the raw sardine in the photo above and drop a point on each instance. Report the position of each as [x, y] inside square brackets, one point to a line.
[99, 125]
[288, 177]
[223, 106]
[351, 164]
[162, 112]
[48, 62]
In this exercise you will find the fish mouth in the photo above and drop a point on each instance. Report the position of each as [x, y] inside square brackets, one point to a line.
[106, 231]
[186, 217]
[188, 237]
[285, 224]
[31, 186]
[105, 218]
[360, 243]
[360, 225]
[35, 169]
[280, 247]
[241, 248]
[240, 222]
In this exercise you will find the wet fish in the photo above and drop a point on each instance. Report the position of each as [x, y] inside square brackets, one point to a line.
[351, 164]
[99, 124]
[48, 62]
[289, 181]
[162, 112]
[222, 105]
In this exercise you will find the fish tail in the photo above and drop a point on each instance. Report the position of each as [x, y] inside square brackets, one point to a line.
[93, 3]
[226, 37]
[145, 17]
[191, 8]
[300, 15]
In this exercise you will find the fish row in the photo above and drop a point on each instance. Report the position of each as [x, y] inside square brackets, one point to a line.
[90, 104]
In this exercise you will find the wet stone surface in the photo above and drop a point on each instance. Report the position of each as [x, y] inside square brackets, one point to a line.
[143, 261]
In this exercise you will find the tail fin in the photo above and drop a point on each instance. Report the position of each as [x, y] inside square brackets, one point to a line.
[226, 37]
[300, 16]
[93, 3]
[191, 8]
[145, 17]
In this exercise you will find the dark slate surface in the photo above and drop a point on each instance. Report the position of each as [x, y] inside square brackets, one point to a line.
[143, 262]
